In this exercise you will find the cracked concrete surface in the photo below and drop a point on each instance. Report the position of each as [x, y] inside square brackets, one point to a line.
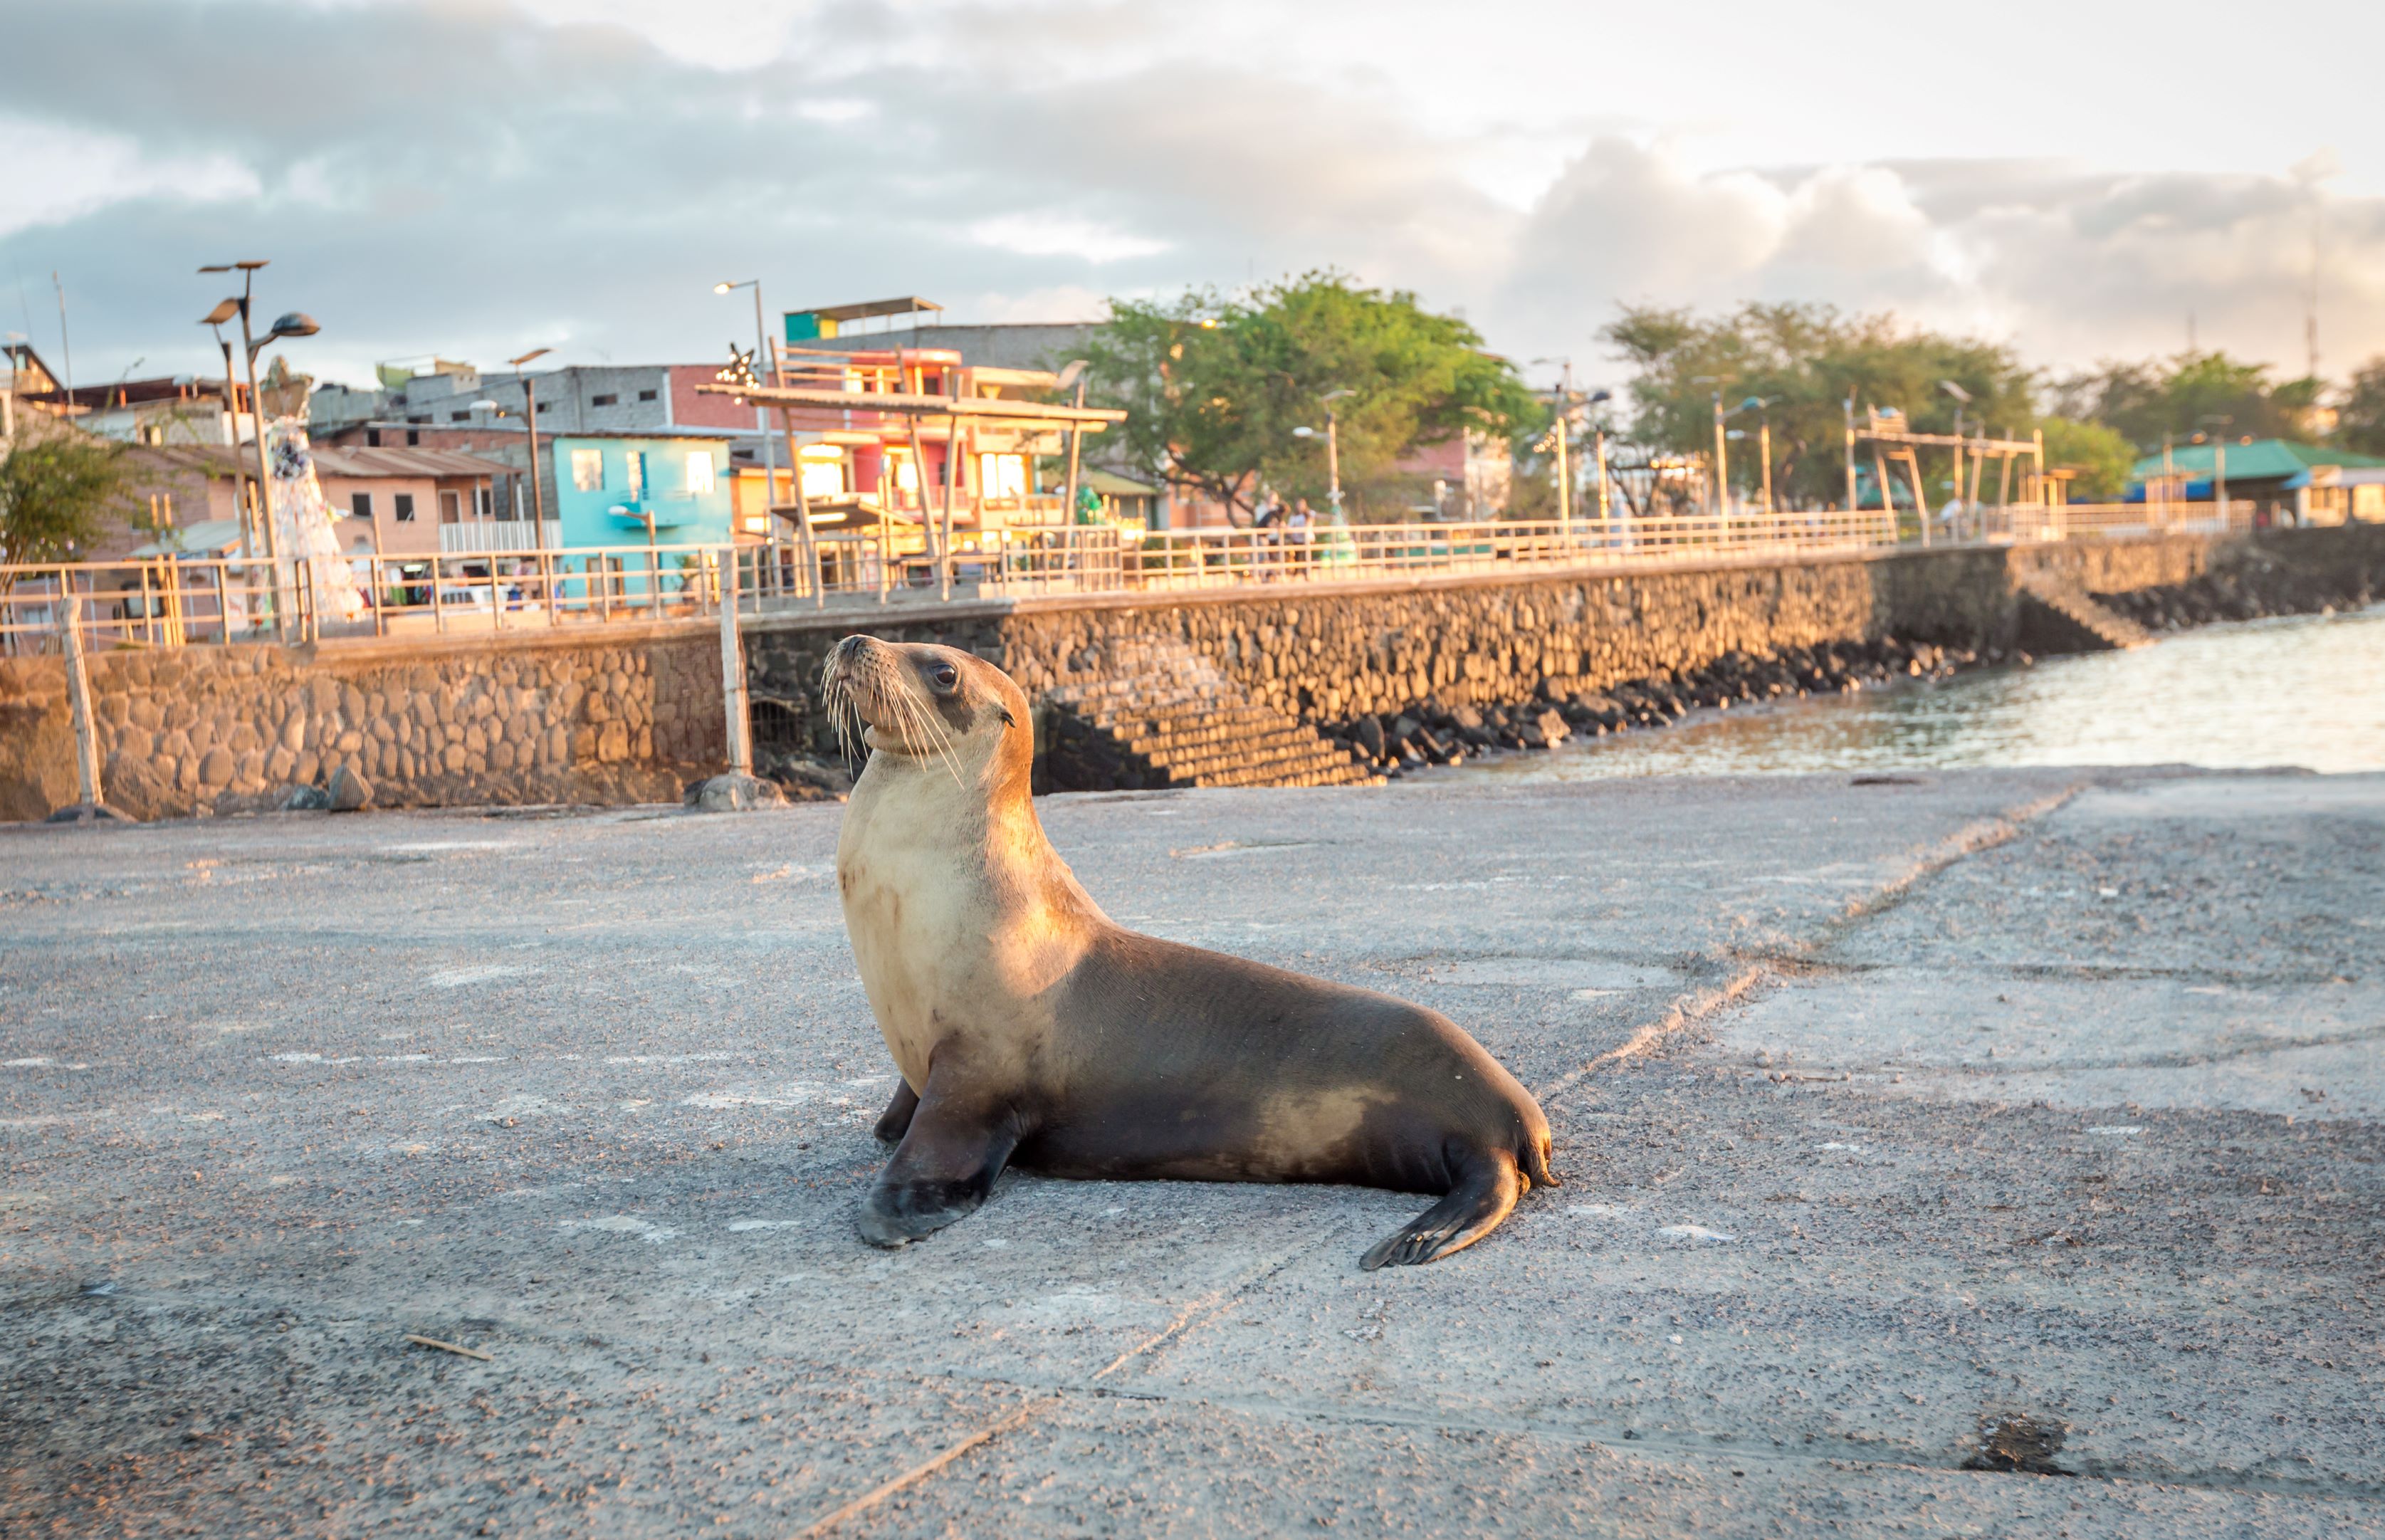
[1883, 1110]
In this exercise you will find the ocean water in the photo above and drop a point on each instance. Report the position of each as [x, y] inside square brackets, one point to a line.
[2302, 690]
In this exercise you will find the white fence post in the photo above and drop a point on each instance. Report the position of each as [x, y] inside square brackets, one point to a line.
[732, 671]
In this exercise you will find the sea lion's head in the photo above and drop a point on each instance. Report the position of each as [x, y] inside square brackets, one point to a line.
[931, 704]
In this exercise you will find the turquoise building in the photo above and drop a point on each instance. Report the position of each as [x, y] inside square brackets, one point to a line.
[608, 488]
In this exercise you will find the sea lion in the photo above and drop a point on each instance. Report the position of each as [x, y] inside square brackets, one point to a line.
[1030, 1028]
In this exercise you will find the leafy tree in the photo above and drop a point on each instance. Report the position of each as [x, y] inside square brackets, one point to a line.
[2144, 401]
[58, 490]
[1804, 362]
[1215, 386]
[2360, 422]
[2101, 455]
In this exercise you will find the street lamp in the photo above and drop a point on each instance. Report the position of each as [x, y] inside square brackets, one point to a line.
[215, 319]
[294, 324]
[761, 413]
[2219, 465]
[1962, 399]
[1332, 448]
[529, 419]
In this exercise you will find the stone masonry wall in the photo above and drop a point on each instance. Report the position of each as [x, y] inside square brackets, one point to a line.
[545, 718]
[1330, 655]
[632, 713]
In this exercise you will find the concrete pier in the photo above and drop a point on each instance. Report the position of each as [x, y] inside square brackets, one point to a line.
[1921, 1136]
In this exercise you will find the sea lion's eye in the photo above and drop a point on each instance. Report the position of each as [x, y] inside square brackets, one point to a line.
[945, 676]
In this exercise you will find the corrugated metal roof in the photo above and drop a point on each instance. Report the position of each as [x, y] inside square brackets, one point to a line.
[336, 460]
[2263, 459]
[362, 462]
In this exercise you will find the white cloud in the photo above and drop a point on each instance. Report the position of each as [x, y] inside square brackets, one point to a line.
[58, 173]
[1058, 234]
[577, 172]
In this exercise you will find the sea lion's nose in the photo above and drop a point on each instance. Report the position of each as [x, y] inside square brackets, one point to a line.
[850, 648]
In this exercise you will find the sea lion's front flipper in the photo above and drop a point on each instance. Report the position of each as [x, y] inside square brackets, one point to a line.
[895, 1121]
[1488, 1185]
[954, 1147]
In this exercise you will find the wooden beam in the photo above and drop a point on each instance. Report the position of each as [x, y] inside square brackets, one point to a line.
[919, 406]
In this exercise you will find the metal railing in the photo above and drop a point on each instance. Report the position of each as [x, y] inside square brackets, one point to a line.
[189, 600]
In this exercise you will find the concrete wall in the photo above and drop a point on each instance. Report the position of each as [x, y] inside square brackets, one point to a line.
[627, 718]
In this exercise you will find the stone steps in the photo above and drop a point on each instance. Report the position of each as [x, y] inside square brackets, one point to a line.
[1162, 715]
[2057, 615]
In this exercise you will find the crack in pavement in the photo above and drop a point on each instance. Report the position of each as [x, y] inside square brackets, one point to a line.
[1692, 1011]
[1197, 1314]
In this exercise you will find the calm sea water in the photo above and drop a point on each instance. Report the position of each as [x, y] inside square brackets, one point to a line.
[2304, 690]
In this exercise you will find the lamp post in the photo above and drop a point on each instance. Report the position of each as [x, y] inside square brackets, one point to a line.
[529, 423]
[2219, 465]
[1962, 399]
[1332, 448]
[296, 324]
[1562, 422]
[761, 413]
[240, 502]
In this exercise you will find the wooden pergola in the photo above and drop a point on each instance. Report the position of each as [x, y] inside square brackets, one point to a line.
[1022, 416]
[1892, 440]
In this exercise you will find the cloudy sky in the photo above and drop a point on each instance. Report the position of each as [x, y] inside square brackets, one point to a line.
[479, 177]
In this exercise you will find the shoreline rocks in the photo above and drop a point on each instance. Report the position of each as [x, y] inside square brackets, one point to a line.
[1435, 732]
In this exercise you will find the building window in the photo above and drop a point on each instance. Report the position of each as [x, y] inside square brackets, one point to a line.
[412, 438]
[402, 507]
[603, 400]
[823, 470]
[459, 416]
[372, 438]
[1002, 475]
[699, 471]
[588, 470]
[633, 474]
[450, 508]
[484, 502]
[645, 395]
[360, 503]
[417, 418]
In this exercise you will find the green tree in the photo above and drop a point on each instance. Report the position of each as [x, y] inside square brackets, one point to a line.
[58, 491]
[2175, 396]
[2360, 422]
[1804, 362]
[1215, 386]
[2101, 456]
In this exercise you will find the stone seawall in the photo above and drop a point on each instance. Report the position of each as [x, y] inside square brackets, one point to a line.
[543, 716]
[632, 713]
[1330, 657]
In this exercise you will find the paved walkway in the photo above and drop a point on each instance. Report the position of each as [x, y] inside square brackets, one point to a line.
[1890, 1110]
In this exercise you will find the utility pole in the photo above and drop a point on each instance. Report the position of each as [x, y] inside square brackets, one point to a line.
[66, 347]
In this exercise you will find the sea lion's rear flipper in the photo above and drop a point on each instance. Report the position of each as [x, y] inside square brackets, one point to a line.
[895, 1121]
[1488, 1184]
[950, 1155]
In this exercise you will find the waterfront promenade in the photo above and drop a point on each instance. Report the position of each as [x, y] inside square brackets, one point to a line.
[1890, 1108]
